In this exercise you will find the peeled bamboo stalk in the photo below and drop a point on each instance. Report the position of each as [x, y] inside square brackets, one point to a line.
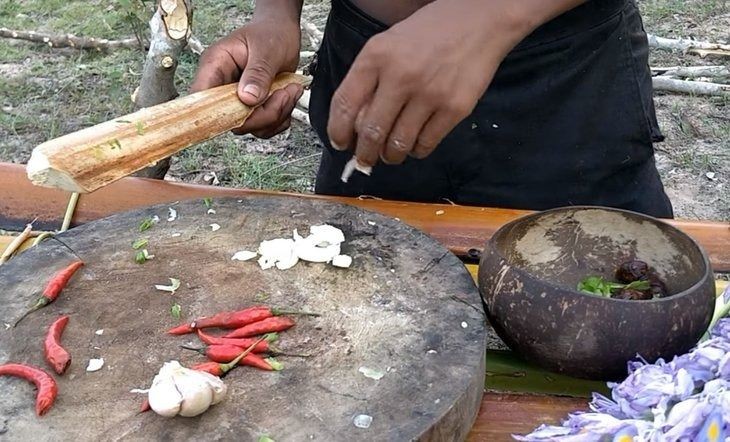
[91, 158]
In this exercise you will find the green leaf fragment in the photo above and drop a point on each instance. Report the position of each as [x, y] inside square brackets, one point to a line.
[276, 365]
[115, 144]
[261, 297]
[138, 244]
[140, 128]
[176, 310]
[123, 121]
[142, 256]
[265, 438]
[596, 285]
[139, 257]
[208, 202]
[146, 224]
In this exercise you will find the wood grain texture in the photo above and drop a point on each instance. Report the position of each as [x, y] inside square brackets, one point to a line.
[460, 228]
[504, 414]
[91, 158]
[404, 296]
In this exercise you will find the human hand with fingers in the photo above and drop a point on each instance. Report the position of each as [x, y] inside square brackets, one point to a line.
[252, 56]
[413, 83]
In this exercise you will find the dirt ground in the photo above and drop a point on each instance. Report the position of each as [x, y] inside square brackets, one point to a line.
[47, 92]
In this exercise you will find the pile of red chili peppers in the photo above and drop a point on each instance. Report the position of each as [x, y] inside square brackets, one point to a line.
[255, 331]
[56, 356]
[248, 323]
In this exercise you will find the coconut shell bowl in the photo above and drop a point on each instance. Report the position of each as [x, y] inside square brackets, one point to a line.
[530, 270]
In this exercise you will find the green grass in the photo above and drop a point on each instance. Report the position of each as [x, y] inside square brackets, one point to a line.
[62, 90]
[658, 10]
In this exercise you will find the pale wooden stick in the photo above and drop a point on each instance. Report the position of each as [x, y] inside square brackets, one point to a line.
[70, 209]
[667, 84]
[687, 45]
[16, 243]
[301, 116]
[91, 158]
[314, 34]
[692, 71]
[70, 40]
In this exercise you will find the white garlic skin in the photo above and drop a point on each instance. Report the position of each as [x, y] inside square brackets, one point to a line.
[177, 390]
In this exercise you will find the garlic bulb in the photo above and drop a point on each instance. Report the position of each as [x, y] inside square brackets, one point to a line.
[177, 390]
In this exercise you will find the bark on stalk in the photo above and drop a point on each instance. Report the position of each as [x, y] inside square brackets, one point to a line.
[170, 28]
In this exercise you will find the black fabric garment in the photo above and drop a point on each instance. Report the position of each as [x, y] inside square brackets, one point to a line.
[568, 120]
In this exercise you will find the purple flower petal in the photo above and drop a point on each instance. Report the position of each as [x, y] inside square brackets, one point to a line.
[544, 433]
[714, 429]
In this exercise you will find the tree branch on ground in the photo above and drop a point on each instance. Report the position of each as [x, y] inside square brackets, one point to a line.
[314, 34]
[69, 40]
[301, 115]
[667, 84]
[89, 43]
[701, 48]
[692, 71]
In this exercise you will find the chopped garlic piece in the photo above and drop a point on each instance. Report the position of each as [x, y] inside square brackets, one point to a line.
[214, 227]
[277, 252]
[95, 364]
[343, 261]
[244, 255]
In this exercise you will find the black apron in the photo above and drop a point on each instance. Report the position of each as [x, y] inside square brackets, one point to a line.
[568, 120]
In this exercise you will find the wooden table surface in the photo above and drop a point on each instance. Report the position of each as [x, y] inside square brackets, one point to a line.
[462, 229]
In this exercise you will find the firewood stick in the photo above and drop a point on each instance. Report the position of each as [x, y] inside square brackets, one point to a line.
[687, 45]
[86, 160]
[662, 83]
[692, 71]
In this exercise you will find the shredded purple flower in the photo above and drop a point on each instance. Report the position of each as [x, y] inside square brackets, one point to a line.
[687, 399]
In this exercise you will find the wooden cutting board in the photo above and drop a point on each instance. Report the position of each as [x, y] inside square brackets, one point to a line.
[407, 307]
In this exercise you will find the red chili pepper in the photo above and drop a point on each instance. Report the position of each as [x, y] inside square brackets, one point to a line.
[56, 355]
[47, 388]
[234, 319]
[222, 353]
[263, 347]
[268, 325]
[53, 288]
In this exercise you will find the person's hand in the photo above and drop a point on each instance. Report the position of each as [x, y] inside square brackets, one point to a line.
[412, 84]
[253, 55]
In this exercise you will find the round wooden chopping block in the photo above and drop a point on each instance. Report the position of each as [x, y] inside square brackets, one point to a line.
[407, 309]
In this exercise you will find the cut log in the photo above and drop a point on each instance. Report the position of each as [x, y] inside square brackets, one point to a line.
[692, 71]
[700, 48]
[86, 160]
[70, 40]
[667, 84]
[314, 34]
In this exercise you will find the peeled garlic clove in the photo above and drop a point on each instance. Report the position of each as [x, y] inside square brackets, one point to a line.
[326, 234]
[196, 393]
[307, 251]
[277, 252]
[284, 263]
[343, 261]
[164, 397]
[217, 386]
[244, 255]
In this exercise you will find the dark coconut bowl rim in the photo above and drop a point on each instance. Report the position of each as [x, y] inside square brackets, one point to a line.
[690, 290]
